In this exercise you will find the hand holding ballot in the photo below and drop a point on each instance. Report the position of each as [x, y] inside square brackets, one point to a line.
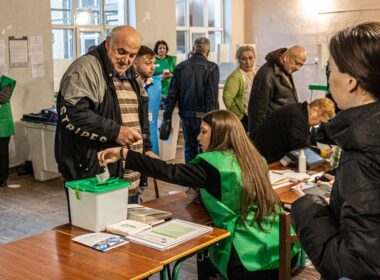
[111, 155]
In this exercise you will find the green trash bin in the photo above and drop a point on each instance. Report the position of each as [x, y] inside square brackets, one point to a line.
[96, 205]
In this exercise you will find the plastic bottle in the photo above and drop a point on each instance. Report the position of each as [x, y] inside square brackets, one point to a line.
[302, 162]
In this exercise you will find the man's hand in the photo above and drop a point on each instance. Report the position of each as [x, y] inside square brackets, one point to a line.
[5, 94]
[127, 136]
[152, 155]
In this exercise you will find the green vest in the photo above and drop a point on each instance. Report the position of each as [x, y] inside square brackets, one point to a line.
[257, 250]
[6, 119]
[168, 62]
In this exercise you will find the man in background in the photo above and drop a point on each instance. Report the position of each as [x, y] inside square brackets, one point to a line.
[194, 86]
[7, 86]
[273, 85]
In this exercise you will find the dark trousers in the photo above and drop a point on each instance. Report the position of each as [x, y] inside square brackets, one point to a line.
[191, 128]
[4, 159]
[68, 200]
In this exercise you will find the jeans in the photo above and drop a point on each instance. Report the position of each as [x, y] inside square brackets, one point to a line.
[191, 128]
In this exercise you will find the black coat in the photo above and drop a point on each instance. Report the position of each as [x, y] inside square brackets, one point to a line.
[286, 129]
[343, 238]
[272, 88]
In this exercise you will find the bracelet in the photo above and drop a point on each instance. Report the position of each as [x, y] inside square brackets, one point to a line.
[121, 152]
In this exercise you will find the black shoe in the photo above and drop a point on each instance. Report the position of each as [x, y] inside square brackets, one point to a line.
[3, 184]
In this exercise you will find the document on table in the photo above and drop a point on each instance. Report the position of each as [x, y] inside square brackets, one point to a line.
[281, 178]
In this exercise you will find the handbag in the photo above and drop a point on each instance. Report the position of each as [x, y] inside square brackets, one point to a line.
[165, 129]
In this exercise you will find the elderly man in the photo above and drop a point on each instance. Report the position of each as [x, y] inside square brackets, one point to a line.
[288, 128]
[273, 85]
[100, 105]
[194, 86]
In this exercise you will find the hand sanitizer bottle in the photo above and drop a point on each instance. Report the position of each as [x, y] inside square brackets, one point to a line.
[302, 162]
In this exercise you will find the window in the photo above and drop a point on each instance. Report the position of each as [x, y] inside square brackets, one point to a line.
[198, 18]
[79, 24]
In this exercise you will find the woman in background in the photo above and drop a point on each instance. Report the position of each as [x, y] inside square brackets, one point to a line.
[237, 88]
[342, 238]
[165, 65]
[235, 189]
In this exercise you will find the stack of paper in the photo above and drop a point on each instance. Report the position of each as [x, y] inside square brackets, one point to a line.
[281, 178]
[147, 215]
[127, 227]
[169, 234]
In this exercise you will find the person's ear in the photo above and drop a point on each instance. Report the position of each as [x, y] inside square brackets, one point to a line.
[352, 84]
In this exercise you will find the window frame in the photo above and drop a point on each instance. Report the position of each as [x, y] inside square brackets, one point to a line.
[77, 29]
[200, 29]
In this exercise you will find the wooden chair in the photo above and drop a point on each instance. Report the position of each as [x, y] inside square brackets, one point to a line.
[286, 241]
[156, 188]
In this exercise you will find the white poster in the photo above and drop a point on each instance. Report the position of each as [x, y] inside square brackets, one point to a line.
[18, 52]
[37, 56]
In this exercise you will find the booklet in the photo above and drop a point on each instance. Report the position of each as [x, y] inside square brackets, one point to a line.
[280, 178]
[101, 241]
[127, 227]
[169, 234]
[147, 215]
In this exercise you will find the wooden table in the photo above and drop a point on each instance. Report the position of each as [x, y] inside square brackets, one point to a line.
[176, 254]
[53, 255]
[285, 193]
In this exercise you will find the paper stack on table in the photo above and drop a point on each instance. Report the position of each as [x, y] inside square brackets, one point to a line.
[281, 178]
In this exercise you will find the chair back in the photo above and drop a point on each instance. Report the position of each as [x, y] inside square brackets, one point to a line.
[286, 241]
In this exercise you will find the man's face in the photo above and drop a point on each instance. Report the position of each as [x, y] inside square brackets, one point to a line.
[122, 52]
[293, 63]
[145, 65]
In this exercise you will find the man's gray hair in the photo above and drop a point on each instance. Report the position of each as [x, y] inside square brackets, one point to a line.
[201, 45]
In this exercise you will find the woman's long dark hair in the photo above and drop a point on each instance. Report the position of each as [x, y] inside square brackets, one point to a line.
[228, 134]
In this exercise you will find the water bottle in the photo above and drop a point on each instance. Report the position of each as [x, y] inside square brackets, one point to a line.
[302, 162]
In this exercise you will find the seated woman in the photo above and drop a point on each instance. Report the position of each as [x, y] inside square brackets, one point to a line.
[165, 65]
[235, 189]
[342, 238]
[238, 85]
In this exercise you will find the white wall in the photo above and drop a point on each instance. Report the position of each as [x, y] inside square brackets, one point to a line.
[27, 18]
[156, 20]
[272, 24]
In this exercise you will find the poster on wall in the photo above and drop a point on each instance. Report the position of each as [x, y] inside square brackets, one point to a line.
[3, 65]
[37, 56]
[18, 51]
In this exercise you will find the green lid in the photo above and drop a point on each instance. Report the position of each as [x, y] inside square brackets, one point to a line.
[93, 186]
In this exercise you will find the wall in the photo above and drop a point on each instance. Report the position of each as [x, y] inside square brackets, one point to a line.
[23, 18]
[156, 20]
[282, 23]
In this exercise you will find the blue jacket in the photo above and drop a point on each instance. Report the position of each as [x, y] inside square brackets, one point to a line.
[194, 86]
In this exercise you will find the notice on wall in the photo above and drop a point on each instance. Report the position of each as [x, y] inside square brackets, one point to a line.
[3, 65]
[18, 51]
[37, 56]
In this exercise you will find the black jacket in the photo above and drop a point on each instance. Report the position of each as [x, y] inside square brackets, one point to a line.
[272, 88]
[194, 86]
[343, 238]
[91, 123]
[286, 129]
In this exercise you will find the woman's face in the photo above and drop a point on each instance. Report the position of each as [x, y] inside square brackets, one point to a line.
[204, 136]
[161, 50]
[339, 84]
[247, 61]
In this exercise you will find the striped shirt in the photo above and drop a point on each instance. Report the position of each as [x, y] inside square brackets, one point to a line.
[129, 108]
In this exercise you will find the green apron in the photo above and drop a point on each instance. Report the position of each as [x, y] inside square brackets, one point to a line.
[257, 249]
[6, 119]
